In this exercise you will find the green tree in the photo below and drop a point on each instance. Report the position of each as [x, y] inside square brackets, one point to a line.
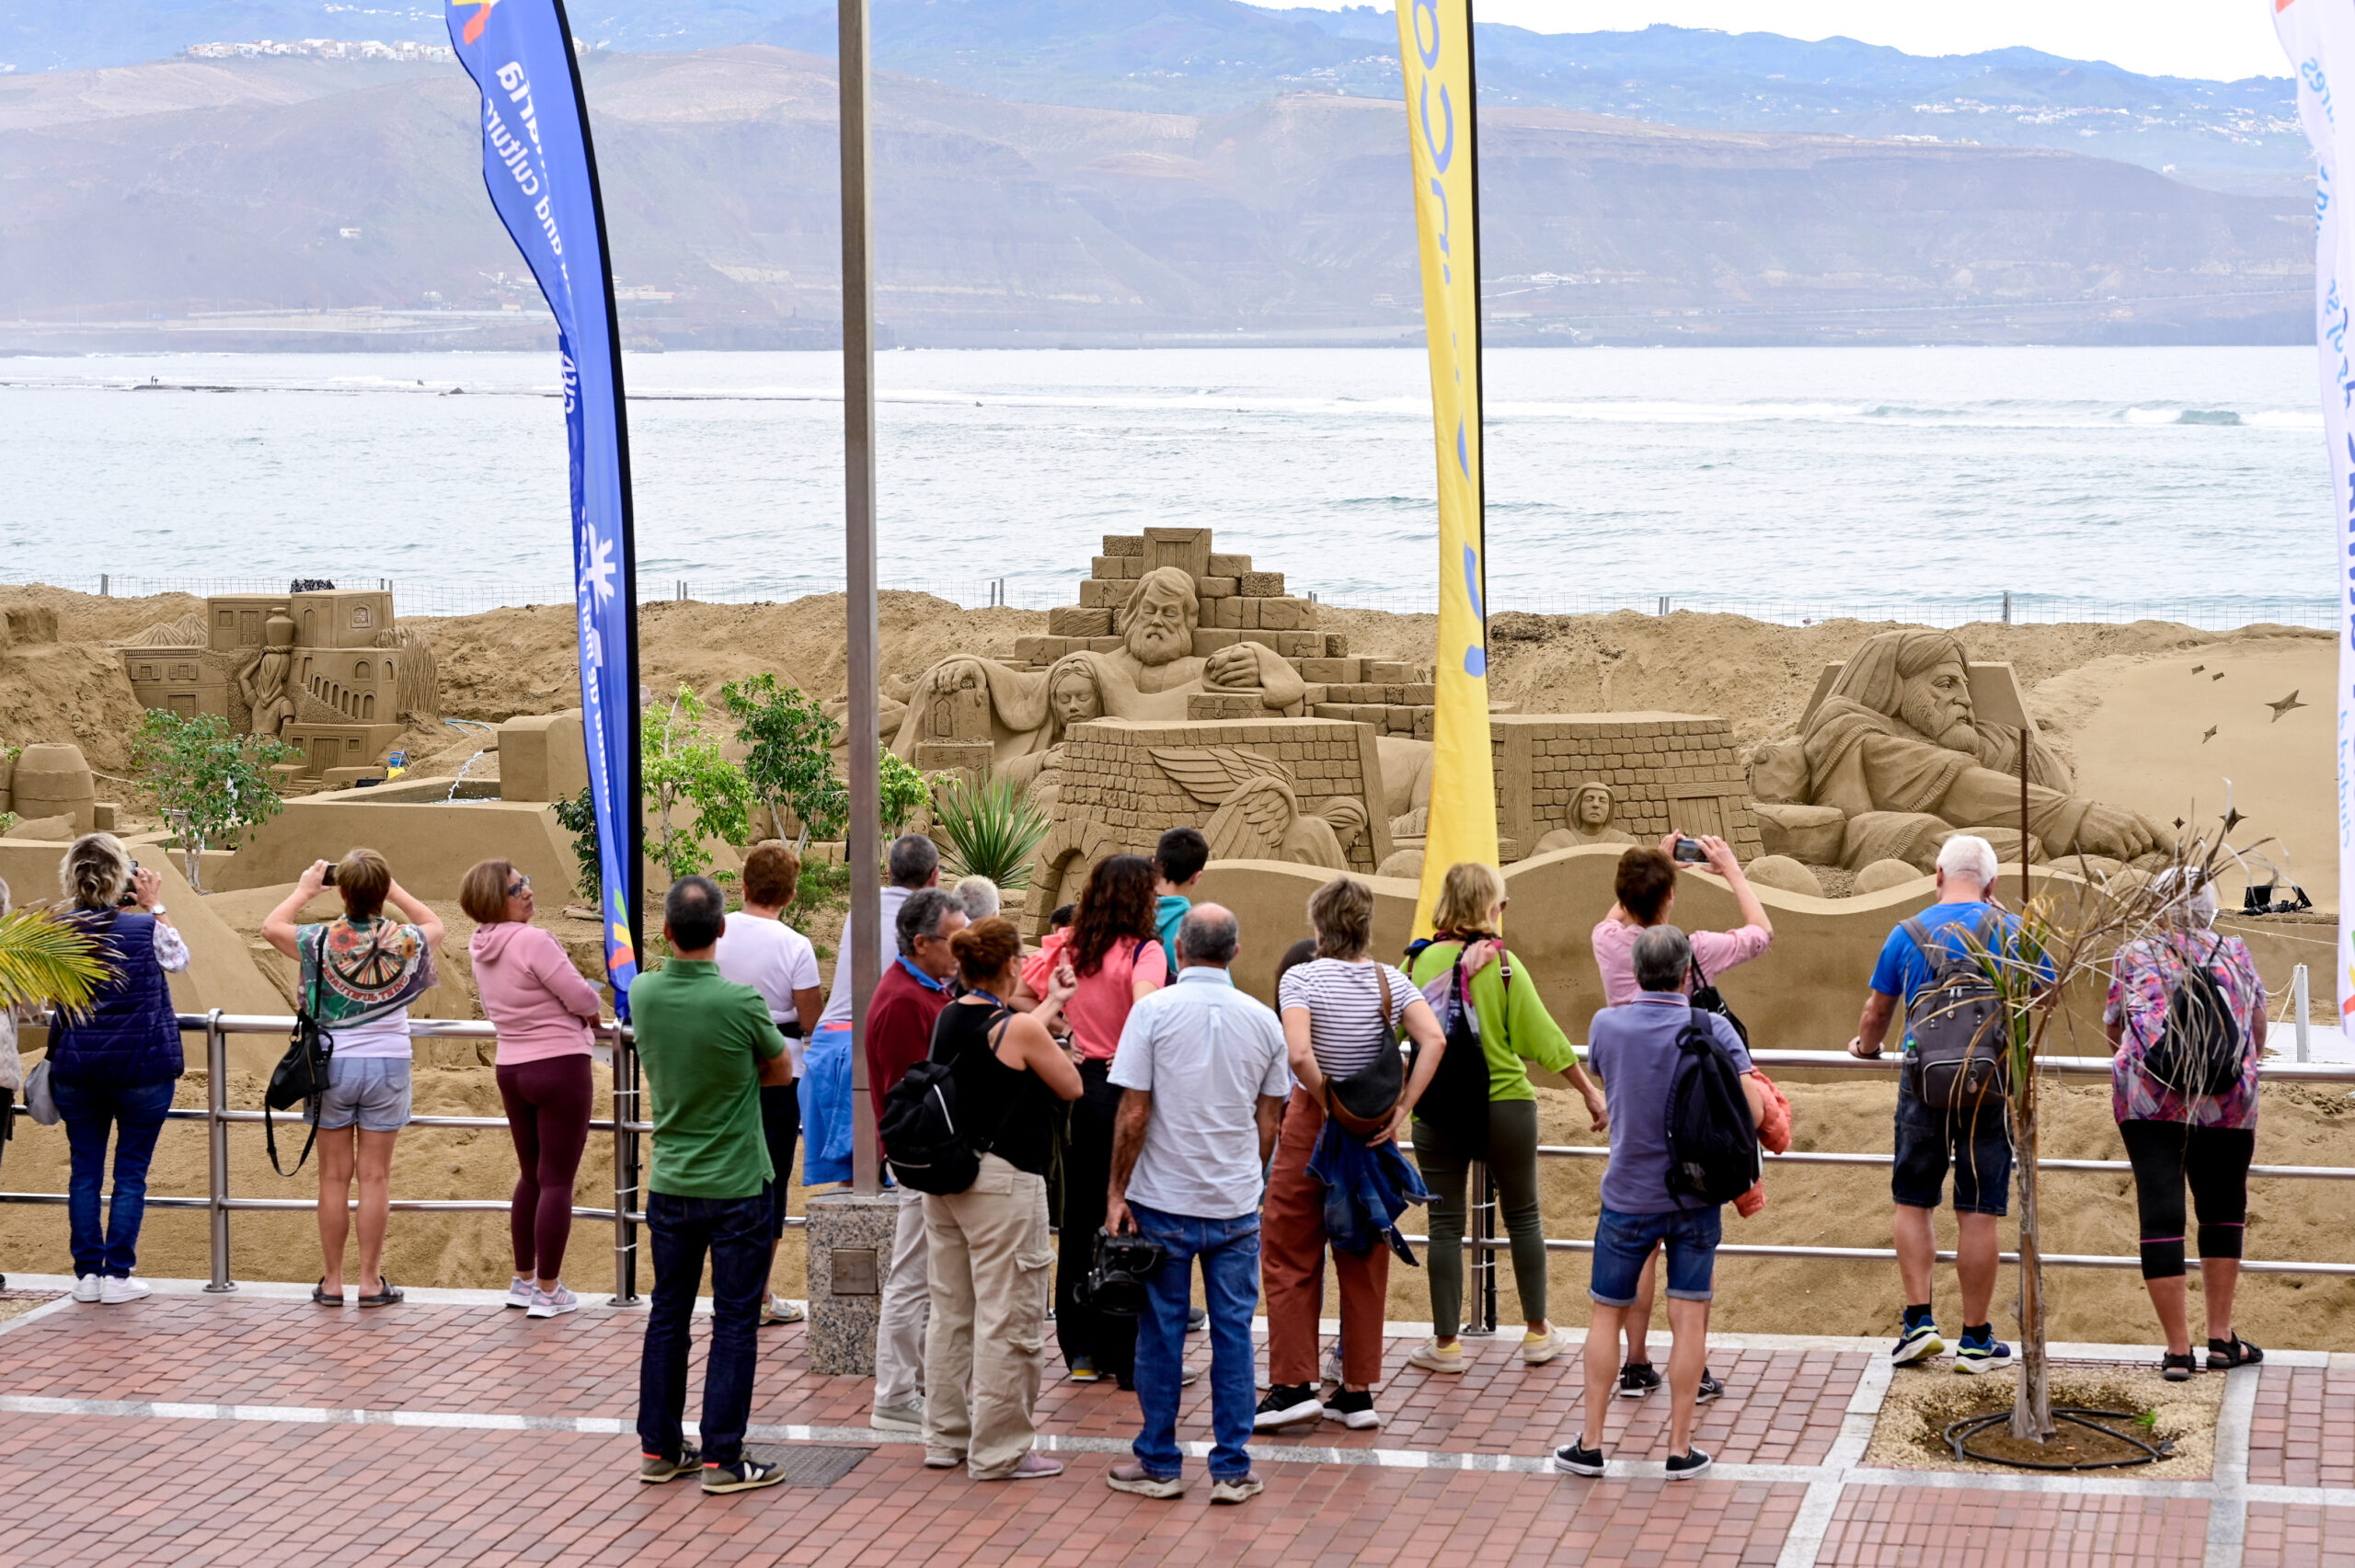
[681, 767]
[905, 792]
[209, 784]
[578, 818]
[790, 765]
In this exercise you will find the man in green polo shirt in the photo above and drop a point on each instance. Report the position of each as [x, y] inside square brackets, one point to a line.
[703, 1039]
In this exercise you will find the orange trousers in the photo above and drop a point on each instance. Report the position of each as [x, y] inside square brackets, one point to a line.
[1292, 1266]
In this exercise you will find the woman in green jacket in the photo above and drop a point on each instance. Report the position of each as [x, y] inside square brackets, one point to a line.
[1513, 1027]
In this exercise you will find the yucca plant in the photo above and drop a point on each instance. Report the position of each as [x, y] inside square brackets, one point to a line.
[989, 828]
[44, 958]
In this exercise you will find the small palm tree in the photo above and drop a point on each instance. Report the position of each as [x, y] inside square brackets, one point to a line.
[990, 829]
[45, 958]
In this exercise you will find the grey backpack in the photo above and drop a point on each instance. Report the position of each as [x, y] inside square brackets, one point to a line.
[1957, 1026]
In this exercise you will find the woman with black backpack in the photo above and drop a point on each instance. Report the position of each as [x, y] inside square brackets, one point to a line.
[2185, 1017]
[1480, 1106]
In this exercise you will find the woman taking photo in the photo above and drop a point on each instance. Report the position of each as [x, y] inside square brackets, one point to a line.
[1453, 1131]
[542, 1010]
[357, 975]
[2177, 1131]
[112, 1069]
[988, 1245]
[1341, 1011]
[1114, 957]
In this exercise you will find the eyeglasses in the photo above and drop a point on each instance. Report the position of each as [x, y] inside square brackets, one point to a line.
[521, 886]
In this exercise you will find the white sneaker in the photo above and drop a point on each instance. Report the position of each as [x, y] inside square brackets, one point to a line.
[552, 1303]
[113, 1292]
[1332, 1367]
[519, 1292]
[86, 1287]
[1430, 1357]
[1536, 1349]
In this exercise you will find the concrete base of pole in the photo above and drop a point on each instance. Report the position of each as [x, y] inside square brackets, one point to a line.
[849, 1243]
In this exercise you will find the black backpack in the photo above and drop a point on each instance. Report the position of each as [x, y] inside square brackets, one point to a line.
[1712, 1138]
[2200, 1052]
[1455, 1102]
[928, 1146]
[1960, 1056]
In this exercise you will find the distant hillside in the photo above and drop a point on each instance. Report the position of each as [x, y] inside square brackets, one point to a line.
[139, 200]
[1215, 56]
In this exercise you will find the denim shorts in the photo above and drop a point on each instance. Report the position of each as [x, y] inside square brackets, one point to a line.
[1622, 1243]
[1978, 1144]
[371, 1091]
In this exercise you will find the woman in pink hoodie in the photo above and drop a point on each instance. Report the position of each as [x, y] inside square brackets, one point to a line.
[542, 1009]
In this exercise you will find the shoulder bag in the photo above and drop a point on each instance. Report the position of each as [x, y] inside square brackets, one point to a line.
[1365, 1101]
[1706, 998]
[301, 1073]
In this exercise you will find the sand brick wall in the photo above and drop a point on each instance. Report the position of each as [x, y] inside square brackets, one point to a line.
[1667, 770]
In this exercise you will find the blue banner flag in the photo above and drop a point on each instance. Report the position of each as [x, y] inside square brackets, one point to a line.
[542, 172]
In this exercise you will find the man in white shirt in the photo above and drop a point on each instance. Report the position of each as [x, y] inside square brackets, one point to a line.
[758, 949]
[1203, 1068]
[913, 862]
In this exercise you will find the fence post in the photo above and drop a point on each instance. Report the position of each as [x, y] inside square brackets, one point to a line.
[1484, 1232]
[625, 1182]
[2007, 607]
[216, 1139]
[2298, 1001]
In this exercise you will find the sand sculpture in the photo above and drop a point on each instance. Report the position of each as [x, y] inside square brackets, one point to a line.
[1591, 807]
[327, 671]
[1896, 755]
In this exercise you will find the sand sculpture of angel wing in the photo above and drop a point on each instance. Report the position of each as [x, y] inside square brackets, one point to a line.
[1254, 795]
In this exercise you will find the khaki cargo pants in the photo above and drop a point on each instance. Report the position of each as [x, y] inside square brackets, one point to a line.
[991, 1259]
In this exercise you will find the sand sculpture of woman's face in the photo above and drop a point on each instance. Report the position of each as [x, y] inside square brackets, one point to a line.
[1595, 807]
[1075, 698]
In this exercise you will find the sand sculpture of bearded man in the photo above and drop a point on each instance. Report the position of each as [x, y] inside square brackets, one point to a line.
[1149, 677]
[1896, 747]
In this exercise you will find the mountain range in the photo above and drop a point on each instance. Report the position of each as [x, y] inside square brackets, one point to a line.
[296, 201]
[1219, 56]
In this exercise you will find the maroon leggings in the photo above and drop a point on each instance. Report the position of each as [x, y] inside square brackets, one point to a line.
[547, 1113]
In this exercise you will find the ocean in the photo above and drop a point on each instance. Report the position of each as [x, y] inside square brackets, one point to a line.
[1791, 483]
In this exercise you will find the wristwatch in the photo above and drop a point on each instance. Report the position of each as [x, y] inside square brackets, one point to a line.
[154, 908]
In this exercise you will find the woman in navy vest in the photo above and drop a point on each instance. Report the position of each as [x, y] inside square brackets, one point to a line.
[113, 1068]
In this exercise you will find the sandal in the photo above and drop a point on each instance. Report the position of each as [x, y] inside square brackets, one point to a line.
[320, 1294]
[388, 1293]
[2226, 1353]
[2178, 1368]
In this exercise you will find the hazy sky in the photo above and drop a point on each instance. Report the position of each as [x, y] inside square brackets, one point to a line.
[2215, 39]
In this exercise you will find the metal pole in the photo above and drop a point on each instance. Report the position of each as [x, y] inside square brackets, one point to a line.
[865, 846]
[2025, 741]
[216, 1142]
[625, 1182]
[2298, 1001]
[1484, 1260]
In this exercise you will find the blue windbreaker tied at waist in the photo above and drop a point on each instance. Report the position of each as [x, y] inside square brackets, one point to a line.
[1365, 1192]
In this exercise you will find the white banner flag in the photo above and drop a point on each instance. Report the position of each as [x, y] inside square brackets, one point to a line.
[2319, 36]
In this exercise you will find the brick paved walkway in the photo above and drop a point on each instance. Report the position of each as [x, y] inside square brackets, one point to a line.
[459, 1432]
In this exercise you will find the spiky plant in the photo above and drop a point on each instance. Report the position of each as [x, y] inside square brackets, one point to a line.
[989, 828]
[44, 958]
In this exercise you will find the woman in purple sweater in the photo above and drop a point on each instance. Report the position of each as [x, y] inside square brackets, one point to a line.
[542, 1010]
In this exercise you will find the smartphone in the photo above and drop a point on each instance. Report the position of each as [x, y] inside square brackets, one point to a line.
[328, 880]
[129, 894]
[1690, 851]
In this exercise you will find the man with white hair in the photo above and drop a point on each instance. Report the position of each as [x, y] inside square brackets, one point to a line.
[1975, 1142]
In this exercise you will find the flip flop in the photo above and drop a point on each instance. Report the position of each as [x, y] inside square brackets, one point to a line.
[320, 1294]
[387, 1295]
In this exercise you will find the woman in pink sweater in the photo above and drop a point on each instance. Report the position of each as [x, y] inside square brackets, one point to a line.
[542, 1009]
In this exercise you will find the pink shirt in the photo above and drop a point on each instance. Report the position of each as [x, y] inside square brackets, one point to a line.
[1714, 951]
[531, 993]
[1098, 1010]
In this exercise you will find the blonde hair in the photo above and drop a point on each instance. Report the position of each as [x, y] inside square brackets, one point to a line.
[96, 870]
[1342, 913]
[363, 878]
[1467, 894]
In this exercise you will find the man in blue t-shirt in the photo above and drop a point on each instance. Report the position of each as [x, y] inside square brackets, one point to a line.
[1976, 1144]
[1633, 1049]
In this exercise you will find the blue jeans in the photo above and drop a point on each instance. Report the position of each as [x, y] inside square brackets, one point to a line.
[135, 1115]
[1230, 1253]
[735, 1232]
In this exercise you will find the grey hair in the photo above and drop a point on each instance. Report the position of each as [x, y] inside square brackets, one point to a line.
[980, 895]
[96, 870]
[2197, 908]
[913, 859]
[1208, 938]
[1663, 958]
[1968, 856]
[922, 914]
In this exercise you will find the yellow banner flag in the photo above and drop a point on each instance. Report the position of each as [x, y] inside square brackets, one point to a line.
[1435, 46]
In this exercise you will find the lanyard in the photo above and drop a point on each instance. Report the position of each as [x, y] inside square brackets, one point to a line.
[985, 996]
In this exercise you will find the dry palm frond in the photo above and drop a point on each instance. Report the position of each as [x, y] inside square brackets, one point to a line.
[44, 958]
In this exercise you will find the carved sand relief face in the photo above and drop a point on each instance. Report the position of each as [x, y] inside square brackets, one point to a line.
[1161, 631]
[1593, 808]
[1075, 698]
[1936, 702]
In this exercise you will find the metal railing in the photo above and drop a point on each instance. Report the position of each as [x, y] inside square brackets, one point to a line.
[626, 1128]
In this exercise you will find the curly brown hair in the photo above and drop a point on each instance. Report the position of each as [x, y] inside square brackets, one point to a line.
[1118, 906]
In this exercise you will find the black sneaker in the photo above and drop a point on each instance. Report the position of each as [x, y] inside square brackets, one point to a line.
[1579, 1459]
[1354, 1411]
[1636, 1378]
[1686, 1465]
[1711, 1387]
[1285, 1405]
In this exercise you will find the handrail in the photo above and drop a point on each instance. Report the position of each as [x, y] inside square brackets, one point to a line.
[626, 1128]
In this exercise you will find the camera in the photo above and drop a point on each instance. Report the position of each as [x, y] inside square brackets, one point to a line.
[1116, 1285]
[1690, 853]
